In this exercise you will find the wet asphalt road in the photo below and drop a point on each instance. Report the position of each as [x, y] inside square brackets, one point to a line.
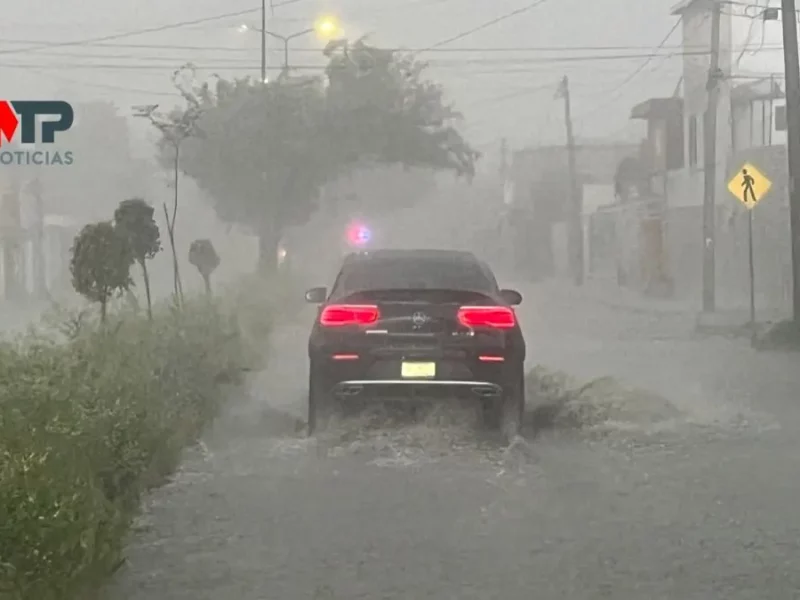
[705, 507]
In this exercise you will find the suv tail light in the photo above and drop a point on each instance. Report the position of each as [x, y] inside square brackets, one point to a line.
[496, 317]
[341, 315]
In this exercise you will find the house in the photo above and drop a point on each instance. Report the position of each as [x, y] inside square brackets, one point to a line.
[695, 15]
[537, 198]
[758, 114]
[751, 125]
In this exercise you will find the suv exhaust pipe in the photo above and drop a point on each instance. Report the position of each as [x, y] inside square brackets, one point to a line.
[485, 391]
[349, 390]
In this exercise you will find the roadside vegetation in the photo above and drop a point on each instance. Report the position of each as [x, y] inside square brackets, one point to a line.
[97, 405]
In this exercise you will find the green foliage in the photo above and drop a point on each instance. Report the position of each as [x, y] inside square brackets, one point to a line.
[87, 425]
[263, 152]
[388, 113]
[203, 257]
[101, 263]
[134, 221]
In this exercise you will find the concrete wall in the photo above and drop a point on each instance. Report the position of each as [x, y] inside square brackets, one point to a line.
[686, 185]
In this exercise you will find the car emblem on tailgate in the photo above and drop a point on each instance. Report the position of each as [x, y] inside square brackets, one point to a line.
[419, 318]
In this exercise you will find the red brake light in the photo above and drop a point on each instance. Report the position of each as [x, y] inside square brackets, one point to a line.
[497, 317]
[341, 315]
[491, 358]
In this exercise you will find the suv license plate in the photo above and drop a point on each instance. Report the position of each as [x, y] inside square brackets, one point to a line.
[418, 370]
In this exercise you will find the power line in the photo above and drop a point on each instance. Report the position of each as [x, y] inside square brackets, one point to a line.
[635, 72]
[647, 61]
[466, 62]
[514, 94]
[485, 25]
[433, 62]
[476, 49]
[117, 36]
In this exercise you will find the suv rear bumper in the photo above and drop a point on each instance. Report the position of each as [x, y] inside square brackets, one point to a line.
[416, 387]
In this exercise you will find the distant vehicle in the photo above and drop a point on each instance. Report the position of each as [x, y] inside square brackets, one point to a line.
[403, 323]
[359, 235]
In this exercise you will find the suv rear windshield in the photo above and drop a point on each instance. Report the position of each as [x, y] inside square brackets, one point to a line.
[414, 273]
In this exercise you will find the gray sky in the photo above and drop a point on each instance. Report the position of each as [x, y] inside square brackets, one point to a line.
[501, 93]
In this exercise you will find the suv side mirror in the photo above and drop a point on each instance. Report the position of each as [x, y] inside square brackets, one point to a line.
[317, 295]
[513, 297]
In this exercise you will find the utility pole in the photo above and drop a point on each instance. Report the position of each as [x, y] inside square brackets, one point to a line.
[792, 74]
[576, 201]
[710, 165]
[264, 41]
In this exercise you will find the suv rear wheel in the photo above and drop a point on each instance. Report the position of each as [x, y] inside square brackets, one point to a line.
[507, 412]
[321, 404]
[513, 409]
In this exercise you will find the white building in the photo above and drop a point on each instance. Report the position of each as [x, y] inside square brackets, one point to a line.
[749, 114]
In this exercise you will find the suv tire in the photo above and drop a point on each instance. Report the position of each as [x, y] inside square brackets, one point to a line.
[512, 409]
[506, 413]
[321, 404]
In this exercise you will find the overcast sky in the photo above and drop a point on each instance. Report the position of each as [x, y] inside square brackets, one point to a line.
[502, 93]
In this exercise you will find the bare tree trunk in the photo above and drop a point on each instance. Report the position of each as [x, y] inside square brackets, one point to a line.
[103, 310]
[178, 288]
[207, 282]
[172, 224]
[147, 290]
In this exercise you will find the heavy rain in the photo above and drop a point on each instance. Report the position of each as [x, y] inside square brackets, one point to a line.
[187, 188]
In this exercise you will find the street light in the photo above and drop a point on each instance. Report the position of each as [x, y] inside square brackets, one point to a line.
[325, 27]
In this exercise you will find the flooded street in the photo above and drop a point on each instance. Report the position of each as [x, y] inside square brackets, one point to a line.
[699, 502]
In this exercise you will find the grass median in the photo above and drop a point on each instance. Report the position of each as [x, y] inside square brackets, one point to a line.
[93, 417]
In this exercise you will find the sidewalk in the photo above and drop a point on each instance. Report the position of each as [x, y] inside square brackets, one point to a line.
[729, 314]
[713, 378]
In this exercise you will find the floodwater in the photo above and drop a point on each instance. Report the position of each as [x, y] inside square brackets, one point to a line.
[683, 486]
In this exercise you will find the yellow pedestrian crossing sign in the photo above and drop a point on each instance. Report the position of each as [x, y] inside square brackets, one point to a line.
[749, 185]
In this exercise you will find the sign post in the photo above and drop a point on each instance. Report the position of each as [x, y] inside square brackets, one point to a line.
[749, 186]
[752, 270]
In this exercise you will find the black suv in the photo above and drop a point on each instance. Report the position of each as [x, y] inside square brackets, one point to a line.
[407, 322]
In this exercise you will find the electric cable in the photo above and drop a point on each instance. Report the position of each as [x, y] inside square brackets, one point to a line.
[483, 26]
[117, 36]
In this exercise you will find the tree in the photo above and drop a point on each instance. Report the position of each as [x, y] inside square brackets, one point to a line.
[101, 263]
[203, 256]
[265, 151]
[175, 127]
[388, 113]
[134, 221]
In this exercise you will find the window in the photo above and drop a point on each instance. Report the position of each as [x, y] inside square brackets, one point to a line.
[780, 118]
[409, 274]
[692, 141]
